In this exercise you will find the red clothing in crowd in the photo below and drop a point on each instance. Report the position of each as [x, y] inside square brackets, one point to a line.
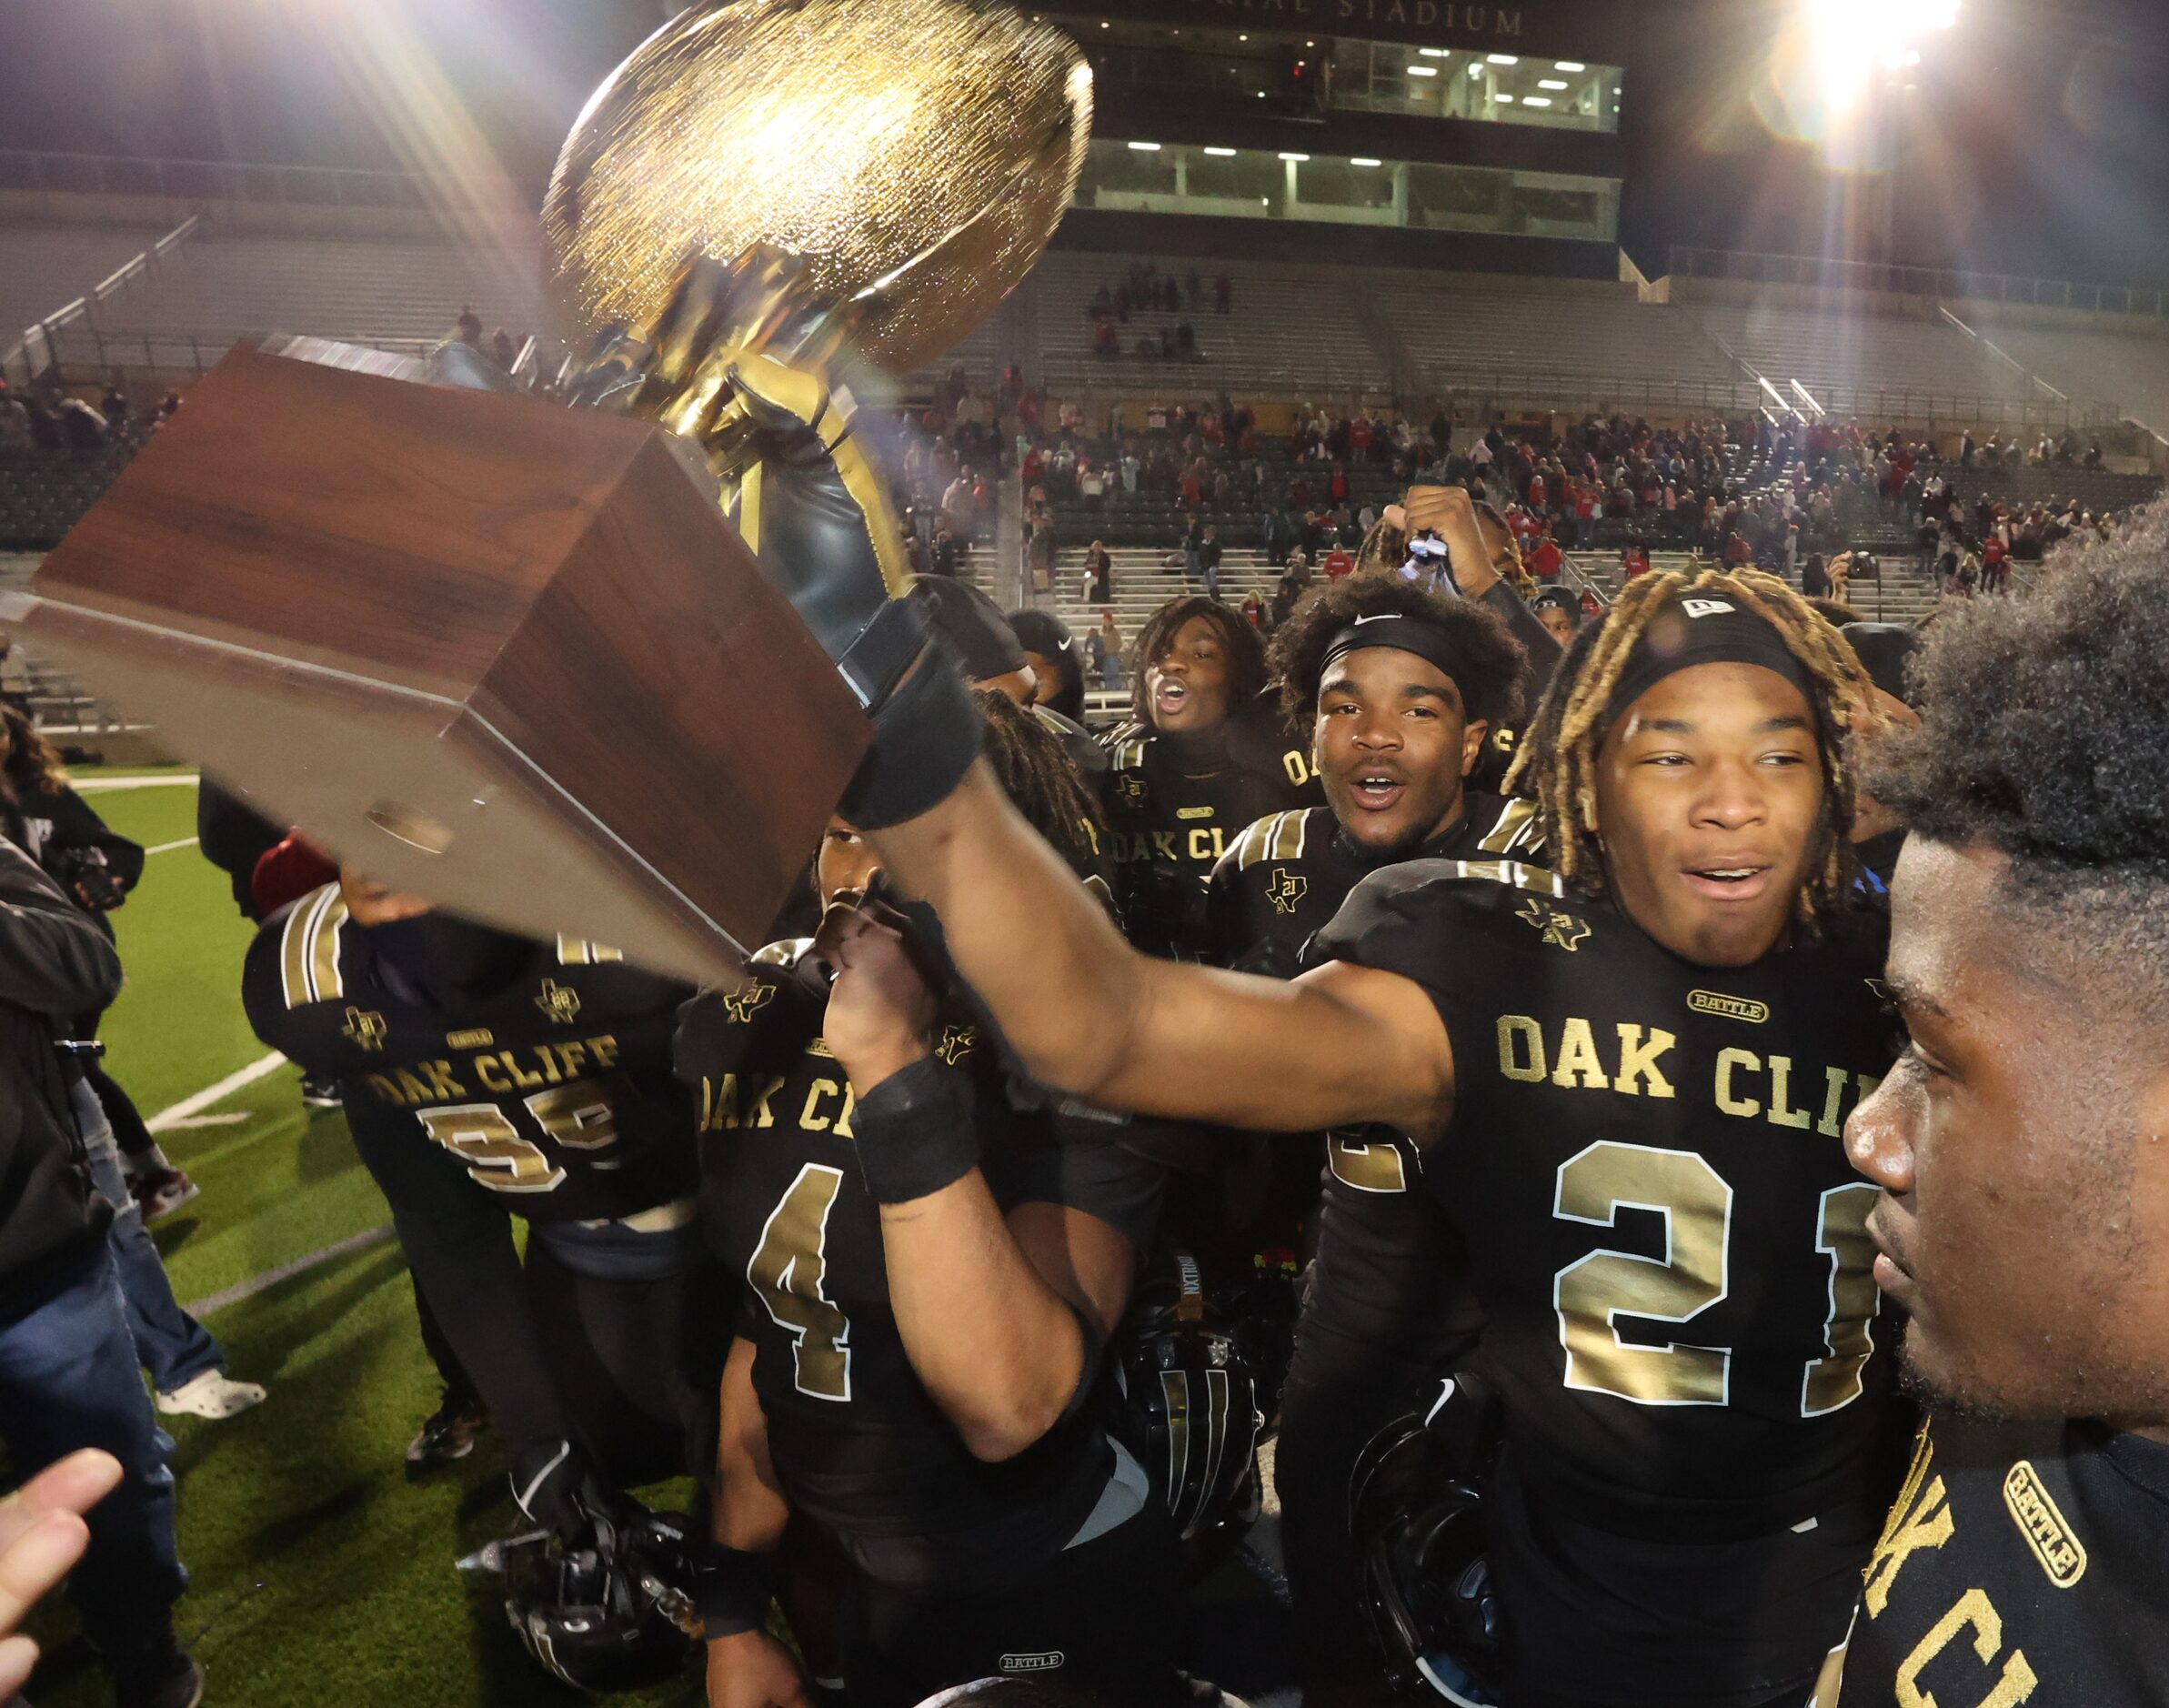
[1340, 562]
[1544, 562]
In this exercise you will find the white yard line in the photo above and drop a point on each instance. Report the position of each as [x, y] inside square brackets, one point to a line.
[100, 785]
[278, 1272]
[167, 847]
[232, 1117]
[165, 1119]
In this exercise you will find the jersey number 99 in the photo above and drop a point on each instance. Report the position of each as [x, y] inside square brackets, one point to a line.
[578, 1116]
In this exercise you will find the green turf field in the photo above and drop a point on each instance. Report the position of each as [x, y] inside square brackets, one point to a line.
[318, 1574]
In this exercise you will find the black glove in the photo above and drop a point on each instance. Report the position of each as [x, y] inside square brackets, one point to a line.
[85, 874]
[556, 1487]
[815, 513]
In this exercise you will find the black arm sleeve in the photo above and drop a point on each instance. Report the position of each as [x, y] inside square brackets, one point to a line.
[1082, 1166]
[1387, 1310]
[54, 958]
[460, 1249]
[1535, 638]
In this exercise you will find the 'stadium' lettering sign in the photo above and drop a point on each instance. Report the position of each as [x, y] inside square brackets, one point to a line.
[1440, 20]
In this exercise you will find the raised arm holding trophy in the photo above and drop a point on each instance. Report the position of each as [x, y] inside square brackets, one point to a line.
[520, 658]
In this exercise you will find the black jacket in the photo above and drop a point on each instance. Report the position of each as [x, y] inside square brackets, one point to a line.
[54, 962]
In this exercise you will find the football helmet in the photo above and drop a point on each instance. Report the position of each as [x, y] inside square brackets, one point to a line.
[1416, 1514]
[1191, 1404]
[614, 1615]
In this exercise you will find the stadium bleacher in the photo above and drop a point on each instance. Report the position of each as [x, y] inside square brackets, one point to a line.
[43, 268]
[1293, 329]
[212, 289]
[1863, 361]
[2125, 374]
[1561, 339]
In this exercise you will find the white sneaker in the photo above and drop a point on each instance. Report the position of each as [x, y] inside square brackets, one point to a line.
[213, 1395]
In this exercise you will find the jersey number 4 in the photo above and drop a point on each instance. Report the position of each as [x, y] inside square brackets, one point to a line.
[1593, 1293]
[788, 1268]
[577, 1116]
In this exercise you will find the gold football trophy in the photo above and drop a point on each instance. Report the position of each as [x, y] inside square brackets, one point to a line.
[510, 656]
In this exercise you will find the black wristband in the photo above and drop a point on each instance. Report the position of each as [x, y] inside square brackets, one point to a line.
[927, 733]
[732, 1592]
[913, 1133]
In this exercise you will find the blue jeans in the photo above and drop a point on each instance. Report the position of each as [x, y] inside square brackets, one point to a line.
[173, 1345]
[68, 1379]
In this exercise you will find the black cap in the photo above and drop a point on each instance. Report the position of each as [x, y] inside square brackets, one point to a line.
[973, 625]
[1559, 597]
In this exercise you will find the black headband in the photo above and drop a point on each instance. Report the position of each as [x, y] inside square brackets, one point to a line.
[1703, 628]
[1405, 633]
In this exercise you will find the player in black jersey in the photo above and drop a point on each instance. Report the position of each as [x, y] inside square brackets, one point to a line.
[2024, 1218]
[1176, 794]
[1398, 687]
[930, 1276]
[1626, 1084]
[486, 1077]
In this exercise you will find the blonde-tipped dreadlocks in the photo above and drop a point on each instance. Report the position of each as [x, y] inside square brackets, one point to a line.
[1558, 757]
[1384, 548]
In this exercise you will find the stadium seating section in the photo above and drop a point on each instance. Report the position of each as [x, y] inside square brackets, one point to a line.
[43, 268]
[1304, 332]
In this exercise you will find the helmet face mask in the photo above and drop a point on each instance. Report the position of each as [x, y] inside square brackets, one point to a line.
[1416, 1503]
[608, 1617]
[1191, 1382]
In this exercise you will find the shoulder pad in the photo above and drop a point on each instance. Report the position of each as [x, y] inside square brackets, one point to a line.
[1519, 830]
[1388, 918]
[309, 967]
[1279, 836]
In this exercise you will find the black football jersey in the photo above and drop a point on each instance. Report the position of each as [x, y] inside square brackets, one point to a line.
[2022, 1563]
[1287, 876]
[859, 1446]
[1173, 809]
[1645, 1160]
[553, 1098]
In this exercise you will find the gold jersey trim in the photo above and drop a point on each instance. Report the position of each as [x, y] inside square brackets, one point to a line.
[578, 951]
[1277, 837]
[308, 949]
[1519, 827]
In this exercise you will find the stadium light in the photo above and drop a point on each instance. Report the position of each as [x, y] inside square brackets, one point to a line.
[1436, 53]
[1568, 65]
[1552, 82]
[1851, 40]
[1536, 100]
[1424, 71]
[1146, 148]
[1222, 154]
[1362, 160]
[1298, 159]
[1502, 59]
[1504, 99]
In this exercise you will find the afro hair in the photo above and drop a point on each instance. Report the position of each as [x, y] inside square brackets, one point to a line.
[1492, 687]
[2045, 721]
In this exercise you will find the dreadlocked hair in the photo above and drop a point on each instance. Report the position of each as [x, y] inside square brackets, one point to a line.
[1242, 644]
[1557, 762]
[1493, 660]
[1040, 776]
[1384, 548]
